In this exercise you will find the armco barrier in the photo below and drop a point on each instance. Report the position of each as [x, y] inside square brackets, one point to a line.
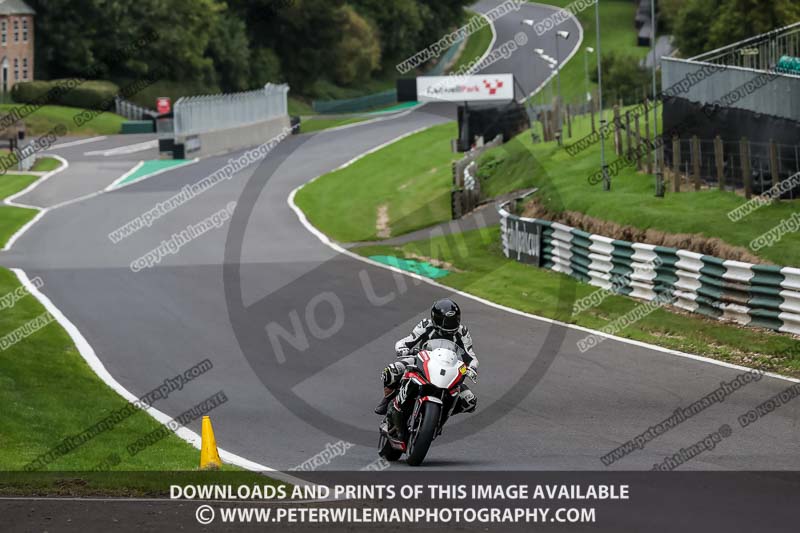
[751, 295]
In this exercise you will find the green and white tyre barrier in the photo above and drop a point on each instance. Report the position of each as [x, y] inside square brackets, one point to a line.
[747, 294]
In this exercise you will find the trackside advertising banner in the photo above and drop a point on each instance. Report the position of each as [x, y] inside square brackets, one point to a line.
[488, 88]
[521, 237]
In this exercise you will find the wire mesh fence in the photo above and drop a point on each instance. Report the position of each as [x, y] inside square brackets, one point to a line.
[198, 114]
[753, 167]
[761, 52]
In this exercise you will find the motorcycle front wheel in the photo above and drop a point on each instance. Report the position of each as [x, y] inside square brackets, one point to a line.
[422, 438]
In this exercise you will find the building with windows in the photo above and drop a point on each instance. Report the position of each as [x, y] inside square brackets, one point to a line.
[16, 43]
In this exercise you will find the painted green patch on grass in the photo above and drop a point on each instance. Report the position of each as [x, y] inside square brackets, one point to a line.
[411, 265]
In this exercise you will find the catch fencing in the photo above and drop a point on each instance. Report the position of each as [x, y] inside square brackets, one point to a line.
[747, 294]
[751, 64]
[202, 114]
[132, 111]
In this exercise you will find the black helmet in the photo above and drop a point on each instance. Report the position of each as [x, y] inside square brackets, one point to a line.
[446, 315]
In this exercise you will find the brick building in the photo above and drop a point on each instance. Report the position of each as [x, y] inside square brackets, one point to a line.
[16, 43]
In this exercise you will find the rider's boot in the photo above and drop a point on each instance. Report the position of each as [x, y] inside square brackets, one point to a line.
[396, 425]
[388, 394]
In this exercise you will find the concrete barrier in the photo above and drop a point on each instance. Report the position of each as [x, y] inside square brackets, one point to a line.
[229, 139]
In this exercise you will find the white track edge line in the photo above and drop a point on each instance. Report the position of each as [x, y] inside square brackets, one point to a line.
[41, 210]
[88, 354]
[328, 242]
[64, 165]
[78, 142]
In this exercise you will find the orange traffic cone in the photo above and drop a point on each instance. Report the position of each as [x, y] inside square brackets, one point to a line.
[209, 455]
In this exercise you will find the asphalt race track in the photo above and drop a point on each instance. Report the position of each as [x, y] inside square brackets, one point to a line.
[542, 404]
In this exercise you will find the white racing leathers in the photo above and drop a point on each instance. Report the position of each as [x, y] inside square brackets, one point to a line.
[422, 332]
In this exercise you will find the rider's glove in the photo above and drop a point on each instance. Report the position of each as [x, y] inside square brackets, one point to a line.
[472, 374]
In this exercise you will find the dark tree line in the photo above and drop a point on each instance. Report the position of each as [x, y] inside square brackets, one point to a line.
[238, 44]
[703, 25]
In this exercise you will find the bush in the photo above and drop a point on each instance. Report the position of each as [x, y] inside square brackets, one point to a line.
[623, 77]
[91, 95]
[171, 89]
[27, 92]
[87, 95]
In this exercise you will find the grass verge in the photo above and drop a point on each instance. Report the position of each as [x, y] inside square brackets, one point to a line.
[48, 117]
[414, 191]
[318, 124]
[631, 200]
[412, 175]
[477, 44]
[46, 164]
[12, 218]
[481, 269]
[618, 35]
[49, 393]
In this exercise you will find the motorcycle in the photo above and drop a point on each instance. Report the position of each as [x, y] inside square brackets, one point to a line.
[428, 396]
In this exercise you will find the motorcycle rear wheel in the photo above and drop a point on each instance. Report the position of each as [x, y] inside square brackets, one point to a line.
[422, 439]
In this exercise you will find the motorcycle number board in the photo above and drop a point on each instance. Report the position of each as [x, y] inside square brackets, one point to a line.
[482, 88]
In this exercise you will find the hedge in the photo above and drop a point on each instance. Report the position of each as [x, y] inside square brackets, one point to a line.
[68, 92]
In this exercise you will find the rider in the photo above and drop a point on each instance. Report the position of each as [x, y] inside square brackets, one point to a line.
[445, 323]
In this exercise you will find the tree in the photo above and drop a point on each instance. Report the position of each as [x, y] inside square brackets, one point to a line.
[399, 26]
[265, 67]
[357, 53]
[75, 35]
[623, 77]
[229, 49]
[703, 25]
[740, 19]
[692, 24]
